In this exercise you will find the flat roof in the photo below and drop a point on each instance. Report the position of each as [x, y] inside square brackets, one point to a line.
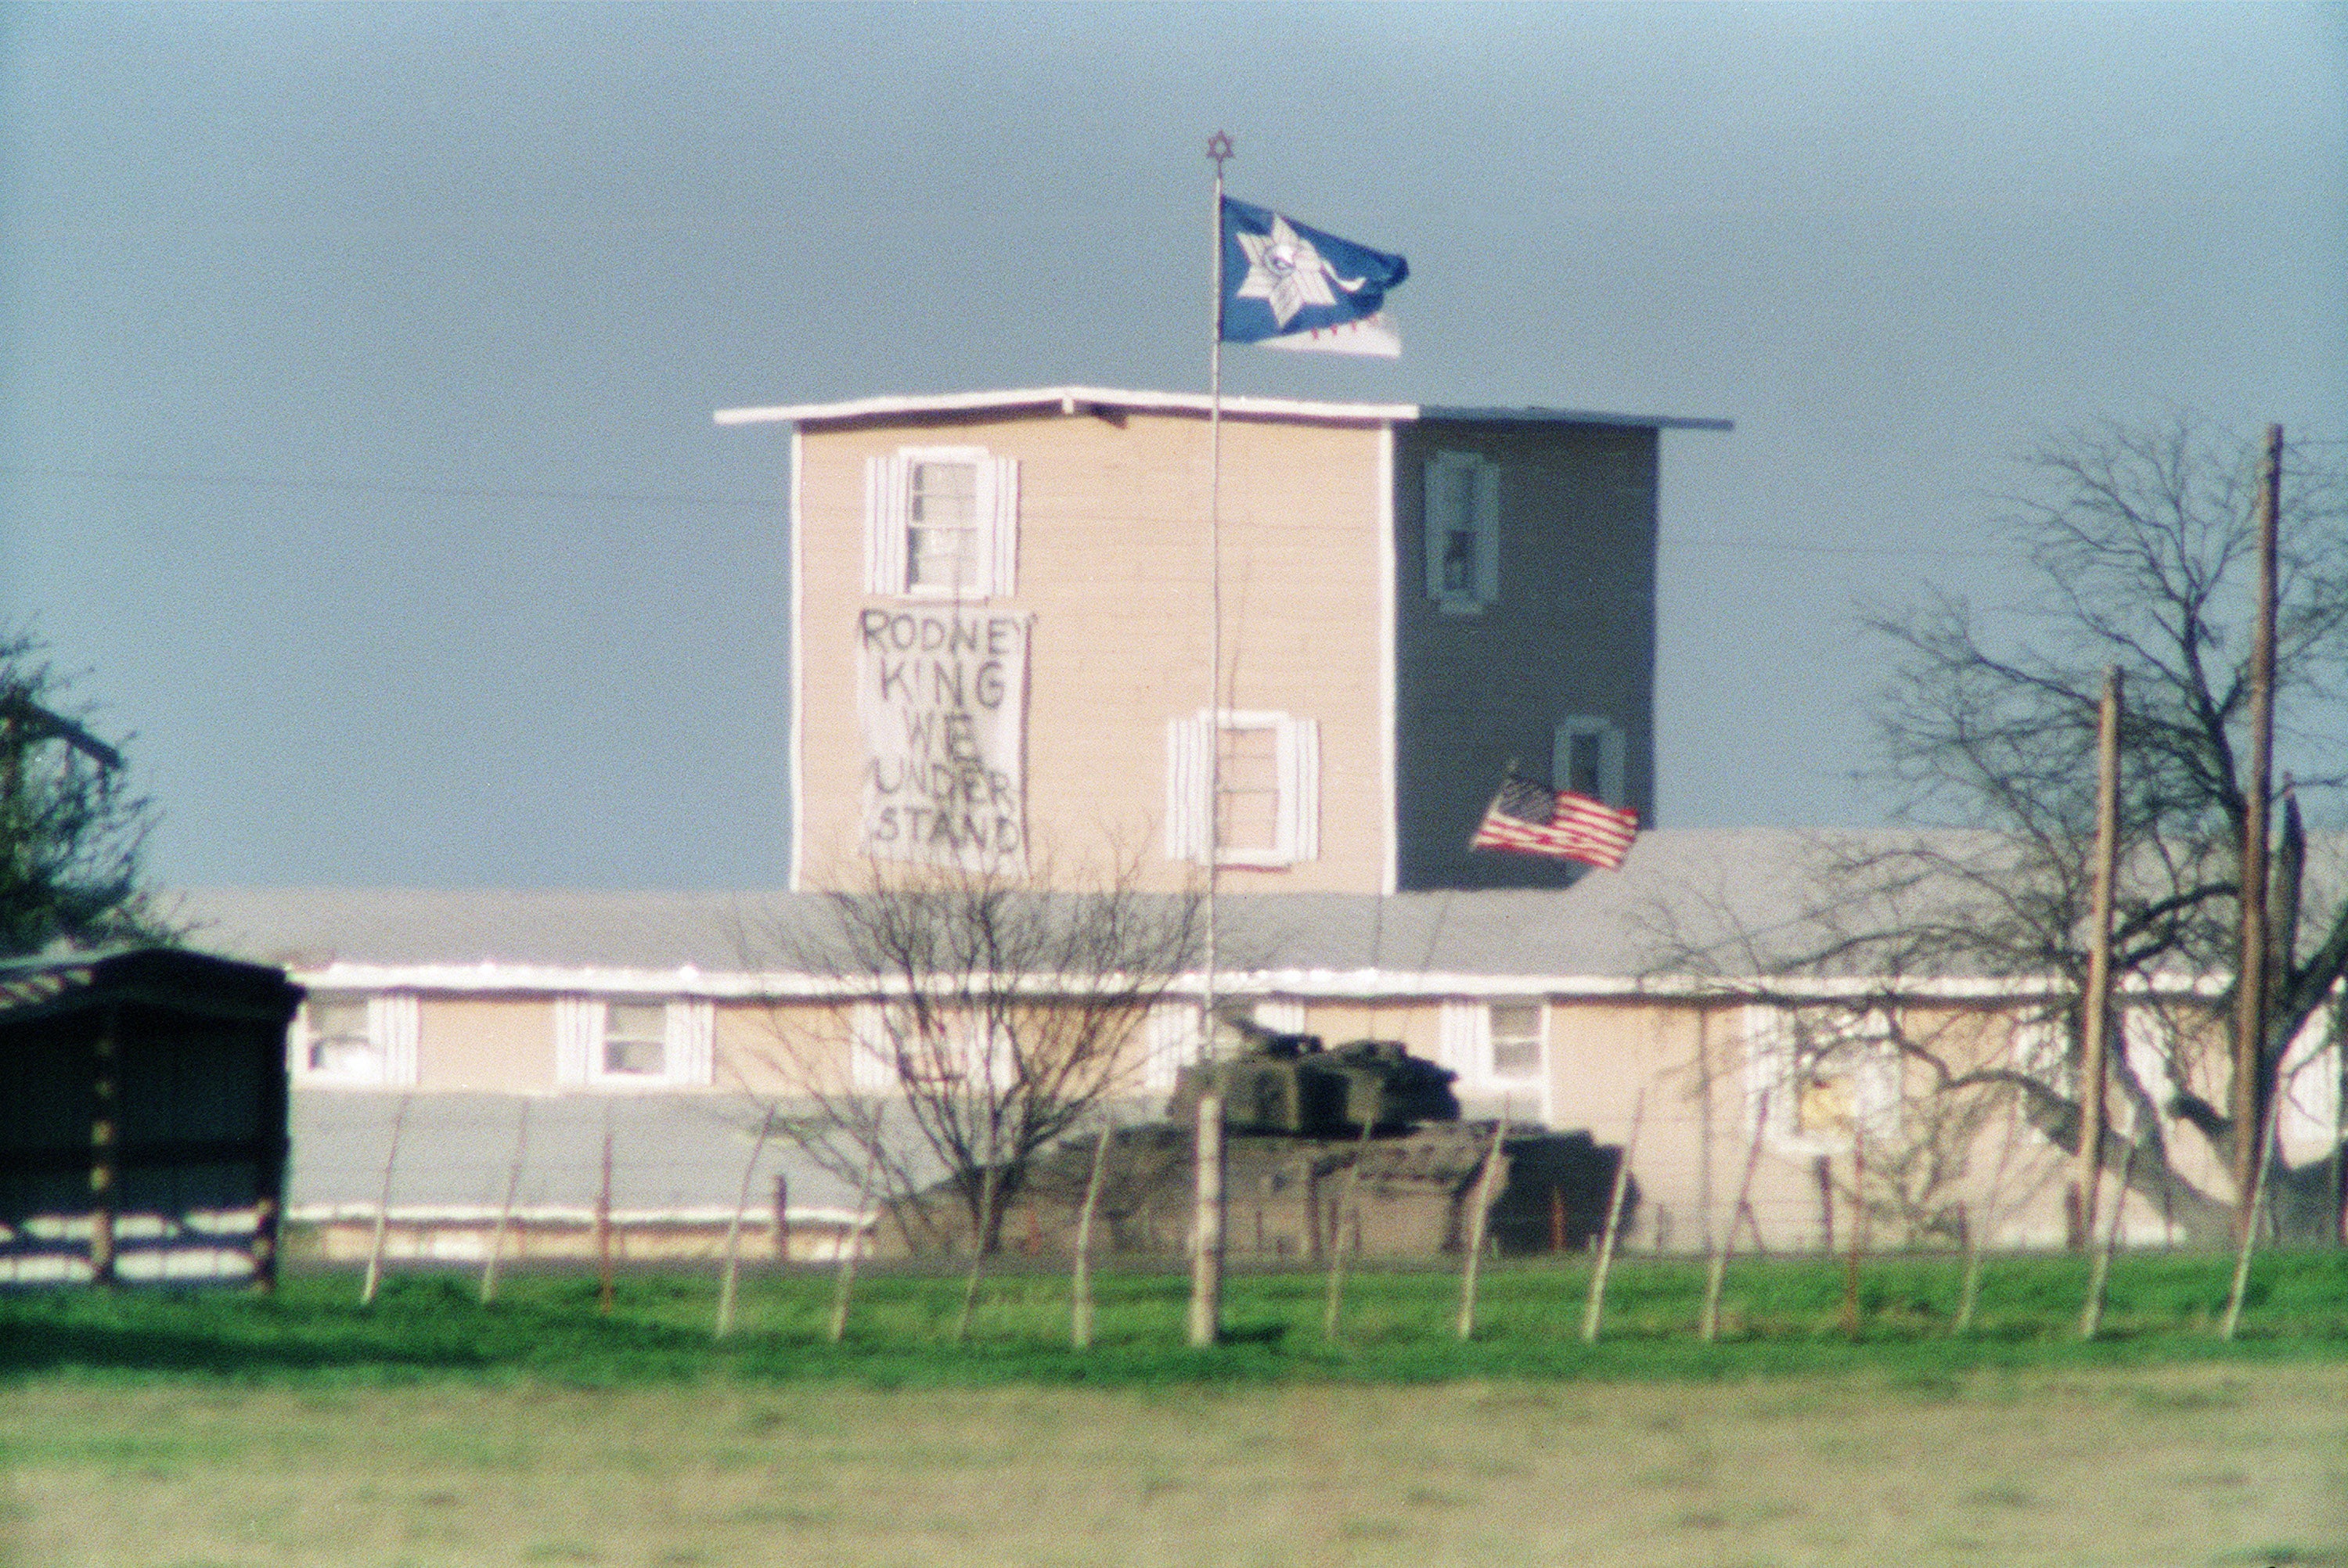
[1073, 400]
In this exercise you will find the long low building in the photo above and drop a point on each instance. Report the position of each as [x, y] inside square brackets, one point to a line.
[508, 1034]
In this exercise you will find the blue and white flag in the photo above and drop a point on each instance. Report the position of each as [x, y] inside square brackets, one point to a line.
[1288, 286]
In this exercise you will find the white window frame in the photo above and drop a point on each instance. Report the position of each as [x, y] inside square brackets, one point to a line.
[1610, 750]
[888, 523]
[393, 1028]
[1189, 750]
[1444, 472]
[1467, 1037]
[874, 1030]
[1788, 1047]
[688, 1036]
[1281, 1015]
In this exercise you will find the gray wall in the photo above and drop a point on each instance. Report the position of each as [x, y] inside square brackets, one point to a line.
[1574, 632]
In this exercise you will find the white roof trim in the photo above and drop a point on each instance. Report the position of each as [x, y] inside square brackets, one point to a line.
[1071, 400]
[550, 979]
[560, 1214]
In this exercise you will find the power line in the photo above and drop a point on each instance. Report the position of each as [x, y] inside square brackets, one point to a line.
[362, 486]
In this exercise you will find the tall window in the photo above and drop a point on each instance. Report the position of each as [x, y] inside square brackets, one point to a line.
[1463, 532]
[942, 528]
[940, 522]
[1588, 758]
[1267, 785]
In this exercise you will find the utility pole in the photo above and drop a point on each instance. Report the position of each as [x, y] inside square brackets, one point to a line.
[2096, 1025]
[2251, 988]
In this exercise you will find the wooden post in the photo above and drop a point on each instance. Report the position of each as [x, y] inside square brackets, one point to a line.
[734, 1232]
[1969, 1288]
[1476, 1224]
[1206, 1325]
[2091, 1315]
[383, 1208]
[1708, 1324]
[2095, 1026]
[844, 1281]
[2251, 988]
[977, 1251]
[505, 1209]
[782, 1217]
[104, 1151]
[1080, 1293]
[1345, 1200]
[604, 1227]
[1823, 1171]
[1858, 1228]
[1557, 1217]
[2249, 1232]
[1595, 1311]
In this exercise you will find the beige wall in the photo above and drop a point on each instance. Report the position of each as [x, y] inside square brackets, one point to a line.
[1114, 567]
[491, 1044]
[778, 1048]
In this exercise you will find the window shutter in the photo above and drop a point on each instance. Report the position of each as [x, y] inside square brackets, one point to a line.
[1173, 1042]
[394, 1023]
[1442, 516]
[886, 482]
[1770, 1081]
[1003, 535]
[1187, 806]
[578, 1032]
[1464, 1038]
[871, 1063]
[1300, 789]
[689, 1042]
[1487, 533]
[1281, 1014]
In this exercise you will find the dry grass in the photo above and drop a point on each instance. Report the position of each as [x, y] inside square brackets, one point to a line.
[2233, 1465]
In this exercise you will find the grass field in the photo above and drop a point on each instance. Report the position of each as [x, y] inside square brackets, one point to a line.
[145, 1429]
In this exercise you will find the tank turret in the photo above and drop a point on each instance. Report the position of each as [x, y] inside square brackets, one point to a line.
[1293, 1086]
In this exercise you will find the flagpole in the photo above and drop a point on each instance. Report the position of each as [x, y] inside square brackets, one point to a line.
[1219, 151]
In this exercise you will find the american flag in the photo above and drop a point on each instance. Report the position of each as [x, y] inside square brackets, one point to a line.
[1528, 819]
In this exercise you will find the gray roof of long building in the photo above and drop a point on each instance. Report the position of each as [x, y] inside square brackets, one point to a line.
[1604, 925]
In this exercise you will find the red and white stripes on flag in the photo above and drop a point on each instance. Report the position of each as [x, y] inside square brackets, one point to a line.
[1526, 819]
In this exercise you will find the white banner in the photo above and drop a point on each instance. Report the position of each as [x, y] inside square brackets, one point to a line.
[941, 696]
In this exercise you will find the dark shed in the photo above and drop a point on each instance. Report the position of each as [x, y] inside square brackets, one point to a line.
[143, 1118]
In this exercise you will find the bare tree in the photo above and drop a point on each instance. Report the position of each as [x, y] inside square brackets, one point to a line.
[2143, 543]
[71, 825]
[997, 1019]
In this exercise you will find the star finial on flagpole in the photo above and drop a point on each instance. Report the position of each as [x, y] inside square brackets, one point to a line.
[1219, 149]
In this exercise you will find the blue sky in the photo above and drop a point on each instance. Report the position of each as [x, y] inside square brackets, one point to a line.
[358, 360]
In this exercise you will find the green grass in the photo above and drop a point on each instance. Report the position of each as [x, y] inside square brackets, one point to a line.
[1780, 1318]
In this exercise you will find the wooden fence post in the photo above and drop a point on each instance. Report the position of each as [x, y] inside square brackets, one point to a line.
[1080, 1290]
[1595, 1311]
[1476, 1225]
[383, 1208]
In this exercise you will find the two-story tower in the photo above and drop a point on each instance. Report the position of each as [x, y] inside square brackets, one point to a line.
[1002, 605]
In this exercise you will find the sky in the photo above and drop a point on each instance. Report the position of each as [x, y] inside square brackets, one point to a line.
[356, 361]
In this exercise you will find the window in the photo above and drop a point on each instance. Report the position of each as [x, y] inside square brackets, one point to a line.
[348, 1039]
[889, 1049]
[1495, 1043]
[1266, 770]
[1587, 759]
[1819, 1077]
[633, 1042]
[1463, 532]
[1516, 1039]
[940, 522]
[635, 1038]
[1171, 1041]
